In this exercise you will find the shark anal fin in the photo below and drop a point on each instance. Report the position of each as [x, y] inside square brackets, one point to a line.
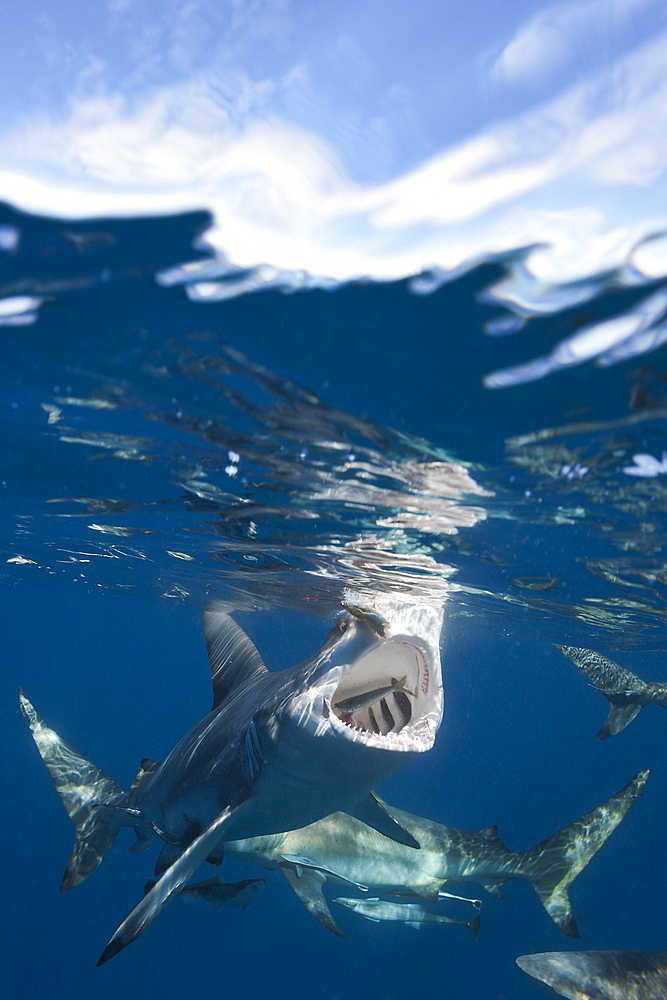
[171, 883]
[145, 836]
[166, 858]
[308, 888]
[232, 656]
[217, 856]
[373, 813]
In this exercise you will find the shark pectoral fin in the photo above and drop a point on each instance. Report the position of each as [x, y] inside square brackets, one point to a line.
[413, 923]
[473, 925]
[232, 656]
[621, 713]
[373, 813]
[171, 883]
[308, 888]
[428, 890]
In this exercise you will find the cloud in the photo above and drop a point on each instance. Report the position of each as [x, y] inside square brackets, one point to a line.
[555, 175]
[551, 38]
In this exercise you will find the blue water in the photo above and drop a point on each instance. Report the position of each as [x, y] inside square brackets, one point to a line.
[272, 450]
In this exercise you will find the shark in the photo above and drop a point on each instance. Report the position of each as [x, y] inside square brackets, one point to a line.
[413, 914]
[346, 851]
[273, 754]
[237, 895]
[600, 975]
[626, 693]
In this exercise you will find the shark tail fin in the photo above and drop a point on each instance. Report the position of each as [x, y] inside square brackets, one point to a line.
[552, 866]
[94, 802]
[626, 693]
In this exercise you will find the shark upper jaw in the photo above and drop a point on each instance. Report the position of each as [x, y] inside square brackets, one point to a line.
[405, 722]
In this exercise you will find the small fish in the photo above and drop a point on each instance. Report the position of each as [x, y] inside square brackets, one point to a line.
[375, 621]
[413, 914]
[234, 894]
[359, 701]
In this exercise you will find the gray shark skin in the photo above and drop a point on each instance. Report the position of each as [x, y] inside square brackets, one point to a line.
[626, 693]
[413, 914]
[600, 975]
[271, 755]
[341, 849]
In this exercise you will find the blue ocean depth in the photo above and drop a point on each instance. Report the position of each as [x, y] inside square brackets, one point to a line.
[271, 451]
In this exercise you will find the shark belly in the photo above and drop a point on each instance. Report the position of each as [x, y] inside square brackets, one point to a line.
[302, 780]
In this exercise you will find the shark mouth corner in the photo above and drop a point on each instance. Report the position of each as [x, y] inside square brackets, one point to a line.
[391, 698]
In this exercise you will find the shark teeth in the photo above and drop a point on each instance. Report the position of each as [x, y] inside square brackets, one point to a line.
[416, 738]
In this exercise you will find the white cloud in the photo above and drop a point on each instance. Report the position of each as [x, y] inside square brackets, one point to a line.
[559, 32]
[281, 196]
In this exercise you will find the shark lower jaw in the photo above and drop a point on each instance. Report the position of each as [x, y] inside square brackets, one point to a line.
[389, 699]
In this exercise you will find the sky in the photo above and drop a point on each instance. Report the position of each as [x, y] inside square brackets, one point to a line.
[349, 140]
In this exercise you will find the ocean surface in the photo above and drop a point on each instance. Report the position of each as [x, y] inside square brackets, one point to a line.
[165, 442]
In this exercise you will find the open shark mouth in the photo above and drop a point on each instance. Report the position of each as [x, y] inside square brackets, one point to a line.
[390, 698]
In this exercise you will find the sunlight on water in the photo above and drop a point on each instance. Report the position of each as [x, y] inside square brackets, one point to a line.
[186, 467]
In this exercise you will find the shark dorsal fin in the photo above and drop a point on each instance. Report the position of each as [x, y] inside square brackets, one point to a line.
[146, 767]
[232, 656]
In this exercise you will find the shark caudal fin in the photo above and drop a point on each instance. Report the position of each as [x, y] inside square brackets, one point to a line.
[626, 693]
[553, 865]
[85, 792]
